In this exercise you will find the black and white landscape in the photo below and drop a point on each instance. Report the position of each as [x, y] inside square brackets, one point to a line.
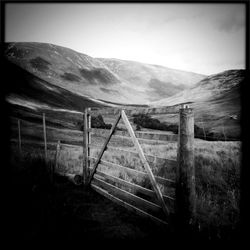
[58, 77]
[61, 59]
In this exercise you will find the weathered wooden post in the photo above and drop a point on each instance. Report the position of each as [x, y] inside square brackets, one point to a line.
[204, 133]
[19, 137]
[223, 130]
[185, 174]
[44, 136]
[87, 126]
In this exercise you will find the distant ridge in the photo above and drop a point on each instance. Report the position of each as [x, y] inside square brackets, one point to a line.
[216, 100]
[111, 80]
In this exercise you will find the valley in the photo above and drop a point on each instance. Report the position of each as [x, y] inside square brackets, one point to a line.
[52, 77]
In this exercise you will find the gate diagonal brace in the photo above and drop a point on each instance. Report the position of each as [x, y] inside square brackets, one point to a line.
[104, 147]
[145, 163]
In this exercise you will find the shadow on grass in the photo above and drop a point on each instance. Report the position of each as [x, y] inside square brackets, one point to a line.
[41, 210]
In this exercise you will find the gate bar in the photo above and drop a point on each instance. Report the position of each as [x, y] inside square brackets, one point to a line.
[104, 147]
[145, 163]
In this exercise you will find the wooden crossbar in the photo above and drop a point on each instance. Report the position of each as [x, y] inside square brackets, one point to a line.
[104, 147]
[150, 158]
[135, 200]
[127, 205]
[142, 135]
[131, 171]
[133, 188]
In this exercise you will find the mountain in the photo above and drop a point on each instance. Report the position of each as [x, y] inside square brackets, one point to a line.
[216, 101]
[110, 80]
[46, 76]
[157, 81]
[28, 90]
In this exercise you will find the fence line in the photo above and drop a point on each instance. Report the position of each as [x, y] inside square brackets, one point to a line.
[105, 183]
[48, 143]
[143, 136]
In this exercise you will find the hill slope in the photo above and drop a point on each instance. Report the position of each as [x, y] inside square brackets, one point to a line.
[156, 81]
[106, 79]
[216, 101]
[28, 90]
[50, 76]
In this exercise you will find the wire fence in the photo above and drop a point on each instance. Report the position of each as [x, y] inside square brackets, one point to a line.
[218, 133]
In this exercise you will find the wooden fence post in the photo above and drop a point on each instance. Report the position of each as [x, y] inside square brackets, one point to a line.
[19, 137]
[204, 133]
[87, 126]
[44, 136]
[223, 130]
[185, 174]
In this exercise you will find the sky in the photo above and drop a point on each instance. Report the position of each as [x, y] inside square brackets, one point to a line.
[201, 38]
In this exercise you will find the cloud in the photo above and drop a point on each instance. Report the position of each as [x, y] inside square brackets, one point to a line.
[187, 16]
[233, 21]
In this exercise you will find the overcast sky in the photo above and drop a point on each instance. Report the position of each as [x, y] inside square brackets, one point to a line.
[202, 38]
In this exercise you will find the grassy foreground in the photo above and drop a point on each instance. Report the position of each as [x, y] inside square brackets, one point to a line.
[217, 179]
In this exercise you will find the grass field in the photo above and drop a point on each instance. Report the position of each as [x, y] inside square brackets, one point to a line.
[217, 165]
[217, 176]
[60, 212]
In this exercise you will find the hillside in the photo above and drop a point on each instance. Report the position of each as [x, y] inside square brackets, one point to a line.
[26, 89]
[157, 81]
[46, 76]
[105, 79]
[216, 101]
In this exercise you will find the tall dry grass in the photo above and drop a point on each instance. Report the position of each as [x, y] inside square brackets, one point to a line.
[218, 186]
[217, 167]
